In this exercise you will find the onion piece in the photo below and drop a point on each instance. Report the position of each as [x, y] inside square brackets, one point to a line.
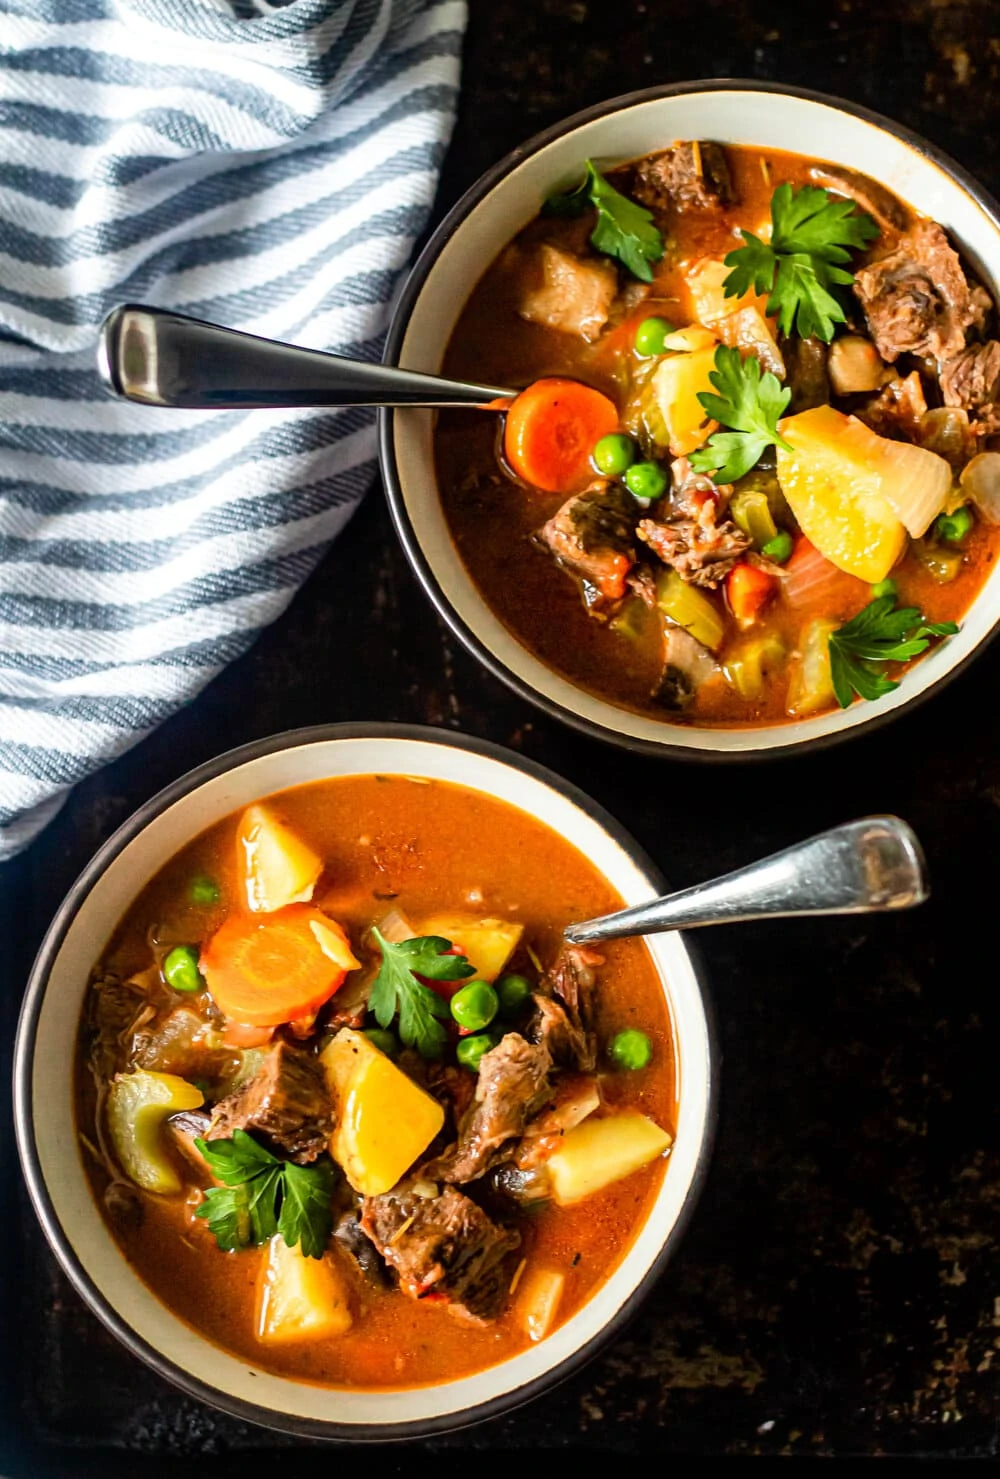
[811, 580]
[854, 365]
[980, 482]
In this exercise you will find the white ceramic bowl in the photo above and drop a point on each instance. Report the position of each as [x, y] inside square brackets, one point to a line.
[44, 1113]
[495, 209]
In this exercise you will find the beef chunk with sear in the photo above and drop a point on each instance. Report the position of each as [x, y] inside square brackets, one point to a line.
[285, 1103]
[512, 1085]
[916, 299]
[564, 1009]
[972, 379]
[592, 535]
[444, 1246]
[686, 666]
[689, 176]
[701, 550]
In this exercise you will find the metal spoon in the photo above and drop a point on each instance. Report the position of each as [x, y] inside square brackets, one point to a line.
[166, 359]
[862, 867]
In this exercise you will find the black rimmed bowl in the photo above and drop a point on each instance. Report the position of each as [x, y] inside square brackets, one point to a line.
[490, 215]
[52, 1157]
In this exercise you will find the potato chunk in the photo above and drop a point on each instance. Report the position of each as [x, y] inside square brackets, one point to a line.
[676, 384]
[833, 481]
[138, 1103]
[384, 1120]
[599, 1152]
[300, 1298]
[278, 868]
[488, 944]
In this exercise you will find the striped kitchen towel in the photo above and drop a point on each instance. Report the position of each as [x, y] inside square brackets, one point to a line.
[263, 163]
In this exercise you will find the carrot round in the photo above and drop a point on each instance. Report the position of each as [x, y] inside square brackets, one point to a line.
[749, 588]
[552, 428]
[268, 969]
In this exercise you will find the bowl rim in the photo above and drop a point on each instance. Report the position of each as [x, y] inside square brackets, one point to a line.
[420, 564]
[23, 1060]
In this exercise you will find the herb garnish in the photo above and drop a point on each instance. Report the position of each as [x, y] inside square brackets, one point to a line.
[810, 235]
[749, 402]
[398, 989]
[880, 633]
[624, 230]
[261, 1196]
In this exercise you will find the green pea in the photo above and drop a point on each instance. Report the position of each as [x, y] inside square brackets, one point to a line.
[646, 481]
[953, 528]
[630, 1050]
[180, 969]
[474, 1005]
[650, 334]
[471, 1050]
[381, 1038]
[614, 454]
[513, 994]
[203, 890]
[779, 548]
[885, 587]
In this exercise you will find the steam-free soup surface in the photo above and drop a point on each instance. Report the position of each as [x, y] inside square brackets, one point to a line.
[424, 849]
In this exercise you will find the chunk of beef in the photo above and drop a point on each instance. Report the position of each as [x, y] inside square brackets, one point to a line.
[564, 1009]
[805, 361]
[686, 666]
[916, 298]
[874, 199]
[592, 535]
[897, 410]
[701, 550]
[569, 293]
[117, 1009]
[286, 1103]
[183, 1129]
[688, 176]
[453, 1088]
[444, 1246]
[512, 1085]
[972, 379]
[355, 1241]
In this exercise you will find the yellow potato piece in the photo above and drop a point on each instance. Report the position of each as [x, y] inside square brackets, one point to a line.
[137, 1105]
[384, 1120]
[832, 480]
[300, 1298]
[488, 944]
[677, 383]
[278, 868]
[599, 1152]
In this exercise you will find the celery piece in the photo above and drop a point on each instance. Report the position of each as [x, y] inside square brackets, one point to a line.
[691, 609]
[631, 621]
[748, 663]
[811, 685]
[942, 565]
[751, 512]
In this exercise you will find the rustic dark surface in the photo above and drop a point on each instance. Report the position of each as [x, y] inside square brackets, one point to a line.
[838, 1292]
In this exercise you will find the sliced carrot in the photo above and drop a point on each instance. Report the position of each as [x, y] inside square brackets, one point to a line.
[748, 589]
[813, 584]
[552, 428]
[265, 970]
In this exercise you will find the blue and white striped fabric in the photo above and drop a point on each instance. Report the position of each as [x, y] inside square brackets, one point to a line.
[263, 163]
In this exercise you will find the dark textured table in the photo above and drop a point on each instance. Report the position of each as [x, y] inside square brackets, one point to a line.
[839, 1289]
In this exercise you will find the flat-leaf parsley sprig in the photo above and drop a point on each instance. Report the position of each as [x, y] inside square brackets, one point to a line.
[397, 988]
[751, 404]
[800, 268]
[262, 1195]
[880, 633]
[624, 230]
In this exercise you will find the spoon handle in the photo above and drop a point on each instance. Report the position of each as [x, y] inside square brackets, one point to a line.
[166, 359]
[861, 867]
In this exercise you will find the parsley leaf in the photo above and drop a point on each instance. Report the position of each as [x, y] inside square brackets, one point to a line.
[751, 404]
[624, 230]
[397, 988]
[261, 1195]
[881, 632]
[800, 268]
